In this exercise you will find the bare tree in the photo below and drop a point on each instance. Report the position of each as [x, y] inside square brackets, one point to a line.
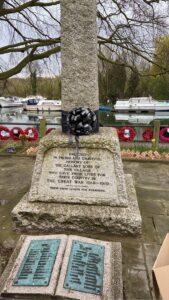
[129, 29]
[32, 29]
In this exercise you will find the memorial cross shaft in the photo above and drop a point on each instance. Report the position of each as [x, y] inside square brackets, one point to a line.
[79, 56]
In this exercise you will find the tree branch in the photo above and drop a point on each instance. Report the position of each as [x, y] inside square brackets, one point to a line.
[32, 3]
[29, 58]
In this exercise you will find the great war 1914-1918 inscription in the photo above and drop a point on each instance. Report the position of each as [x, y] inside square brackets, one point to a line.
[94, 176]
[78, 179]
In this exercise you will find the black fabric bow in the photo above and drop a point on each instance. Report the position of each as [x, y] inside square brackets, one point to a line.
[81, 121]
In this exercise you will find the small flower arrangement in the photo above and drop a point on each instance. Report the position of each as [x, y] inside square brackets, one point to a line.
[32, 150]
[149, 154]
[23, 138]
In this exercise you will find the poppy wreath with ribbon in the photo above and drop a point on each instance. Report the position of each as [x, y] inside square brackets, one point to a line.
[31, 133]
[49, 130]
[81, 121]
[15, 133]
[147, 134]
[4, 133]
[127, 134]
[164, 134]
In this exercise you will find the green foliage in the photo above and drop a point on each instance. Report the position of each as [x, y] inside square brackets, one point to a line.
[42, 127]
[160, 87]
[161, 57]
[132, 84]
[4, 145]
[136, 147]
[159, 84]
[33, 78]
[112, 80]
[45, 86]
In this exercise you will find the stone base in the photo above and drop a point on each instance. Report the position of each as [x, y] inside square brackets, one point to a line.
[37, 217]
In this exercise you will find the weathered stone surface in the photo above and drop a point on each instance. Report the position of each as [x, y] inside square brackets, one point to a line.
[79, 54]
[10, 289]
[112, 278]
[90, 178]
[31, 215]
[56, 217]
[94, 177]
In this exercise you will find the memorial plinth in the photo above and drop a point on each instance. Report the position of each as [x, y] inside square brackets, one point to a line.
[84, 193]
[63, 267]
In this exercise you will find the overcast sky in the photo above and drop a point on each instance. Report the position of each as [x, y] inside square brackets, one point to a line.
[50, 66]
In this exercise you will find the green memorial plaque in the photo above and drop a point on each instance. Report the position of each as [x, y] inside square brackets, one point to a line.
[85, 268]
[37, 265]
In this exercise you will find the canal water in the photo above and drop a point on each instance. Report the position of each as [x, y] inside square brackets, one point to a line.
[11, 116]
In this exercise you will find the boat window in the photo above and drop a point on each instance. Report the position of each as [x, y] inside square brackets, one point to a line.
[32, 102]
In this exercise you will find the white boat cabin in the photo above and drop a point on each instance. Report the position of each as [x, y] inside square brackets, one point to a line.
[141, 104]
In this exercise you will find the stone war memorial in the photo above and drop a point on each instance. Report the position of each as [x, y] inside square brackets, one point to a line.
[86, 191]
[78, 186]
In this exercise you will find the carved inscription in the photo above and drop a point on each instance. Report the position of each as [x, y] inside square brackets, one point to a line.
[88, 175]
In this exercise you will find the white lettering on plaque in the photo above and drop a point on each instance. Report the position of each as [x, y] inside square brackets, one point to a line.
[89, 178]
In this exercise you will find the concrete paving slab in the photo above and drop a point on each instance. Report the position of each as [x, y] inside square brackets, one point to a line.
[136, 260]
[149, 175]
[136, 285]
[166, 204]
[161, 224]
[149, 231]
[15, 179]
[151, 252]
[150, 207]
[153, 194]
